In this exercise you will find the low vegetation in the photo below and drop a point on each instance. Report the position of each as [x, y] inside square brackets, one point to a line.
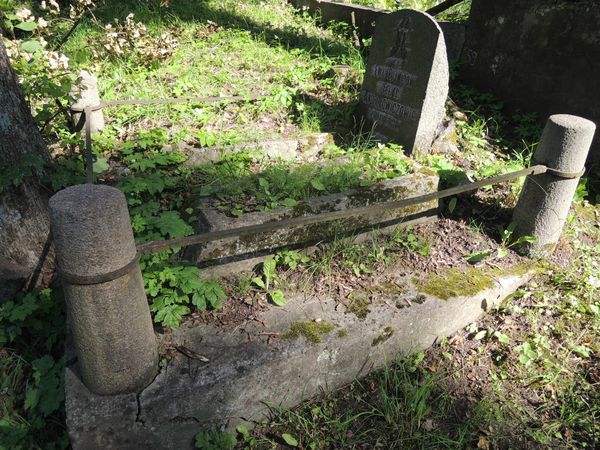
[527, 375]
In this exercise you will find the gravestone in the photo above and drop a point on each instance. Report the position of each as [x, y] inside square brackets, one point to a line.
[406, 81]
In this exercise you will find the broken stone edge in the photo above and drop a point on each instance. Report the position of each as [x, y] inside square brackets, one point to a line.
[244, 377]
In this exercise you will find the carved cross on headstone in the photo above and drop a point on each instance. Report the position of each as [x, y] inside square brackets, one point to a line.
[406, 82]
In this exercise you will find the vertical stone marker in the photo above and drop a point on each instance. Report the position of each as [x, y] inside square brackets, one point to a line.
[87, 94]
[406, 81]
[544, 204]
[110, 319]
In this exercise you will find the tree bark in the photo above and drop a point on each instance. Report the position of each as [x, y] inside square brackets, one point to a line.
[26, 253]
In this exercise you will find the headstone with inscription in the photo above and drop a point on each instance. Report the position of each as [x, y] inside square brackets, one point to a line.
[406, 82]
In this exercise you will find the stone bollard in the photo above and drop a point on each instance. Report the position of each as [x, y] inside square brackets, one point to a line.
[544, 204]
[87, 94]
[110, 319]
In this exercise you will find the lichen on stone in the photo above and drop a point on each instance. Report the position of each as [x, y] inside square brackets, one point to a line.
[312, 331]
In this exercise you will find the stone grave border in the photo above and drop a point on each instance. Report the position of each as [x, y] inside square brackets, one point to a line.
[89, 272]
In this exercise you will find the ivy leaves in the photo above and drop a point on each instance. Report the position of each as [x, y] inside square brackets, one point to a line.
[46, 393]
[31, 331]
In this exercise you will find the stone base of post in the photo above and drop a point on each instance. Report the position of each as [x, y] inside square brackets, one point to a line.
[112, 328]
[544, 204]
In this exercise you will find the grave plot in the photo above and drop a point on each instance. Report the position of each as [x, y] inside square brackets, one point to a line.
[278, 356]
[284, 341]
[243, 253]
[198, 334]
[279, 339]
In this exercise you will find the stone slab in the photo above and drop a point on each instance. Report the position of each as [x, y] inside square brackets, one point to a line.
[404, 93]
[235, 254]
[306, 148]
[245, 373]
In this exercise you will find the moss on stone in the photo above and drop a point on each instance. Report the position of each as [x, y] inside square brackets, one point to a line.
[342, 333]
[426, 171]
[518, 269]
[468, 281]
[376, 194]
[359, 306]
[387, 333]
[455, 283]
[419, 299]
[312, 331]
[401, 303]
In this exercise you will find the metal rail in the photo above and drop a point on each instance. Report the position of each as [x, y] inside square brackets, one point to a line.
[85, 119]
[159, 101]
[442, 7]
[334, 215]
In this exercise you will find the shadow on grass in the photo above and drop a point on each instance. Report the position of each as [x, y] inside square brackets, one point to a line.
[403, 406]
[200, 12]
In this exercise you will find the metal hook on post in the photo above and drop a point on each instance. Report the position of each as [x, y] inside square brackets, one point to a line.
[89, 157]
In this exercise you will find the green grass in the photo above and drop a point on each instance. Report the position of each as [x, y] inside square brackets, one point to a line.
[224, 48]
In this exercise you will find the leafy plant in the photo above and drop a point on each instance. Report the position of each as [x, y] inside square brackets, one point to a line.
[527, 353]
[14, 174]
[405, 237]
[268, 280]
[214, 440]
[479, 334]
[172, 289]
[289, 440]
[31, 380]
[290, 259]
[507, 241]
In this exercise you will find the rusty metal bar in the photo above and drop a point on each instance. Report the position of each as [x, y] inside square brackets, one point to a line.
[442, 7]
[160, 101]
[334, 215]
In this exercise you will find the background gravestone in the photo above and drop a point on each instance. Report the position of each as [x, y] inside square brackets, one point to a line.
[406, 82]
[537, 56]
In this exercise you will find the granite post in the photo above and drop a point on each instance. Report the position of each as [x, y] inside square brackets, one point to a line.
[112, 328]
[544, 204]
[86, 94]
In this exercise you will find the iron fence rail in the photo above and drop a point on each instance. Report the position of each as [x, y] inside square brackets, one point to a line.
[334, 215]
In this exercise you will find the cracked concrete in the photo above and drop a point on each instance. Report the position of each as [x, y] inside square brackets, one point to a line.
[245, 375]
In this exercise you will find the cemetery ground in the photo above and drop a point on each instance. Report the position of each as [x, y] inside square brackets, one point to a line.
[525, 376]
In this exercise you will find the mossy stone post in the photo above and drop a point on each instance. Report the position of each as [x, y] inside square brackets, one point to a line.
[112, 328]
[544, 204]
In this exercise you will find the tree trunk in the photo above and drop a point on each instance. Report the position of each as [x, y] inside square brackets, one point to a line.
[26, 254]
